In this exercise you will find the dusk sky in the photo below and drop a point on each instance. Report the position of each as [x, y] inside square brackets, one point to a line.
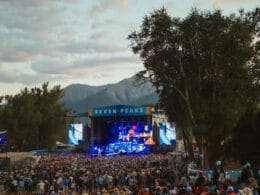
[79, 41]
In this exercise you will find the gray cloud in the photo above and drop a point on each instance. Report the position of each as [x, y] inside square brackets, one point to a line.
[52, 66]
[7, 77]
[27, 28]
[31, 28]
[217, 4]
[26, 78]
[92, 46]
[109, 22]
[98, 36]
[239, 1]
[26, 16]
[108, 61]
[18, 49]
[79, 67]
[104, 5]
[53, 40]
[96, 66]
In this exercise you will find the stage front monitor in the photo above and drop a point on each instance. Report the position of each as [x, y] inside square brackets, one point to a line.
[167, 133]
[75, 134]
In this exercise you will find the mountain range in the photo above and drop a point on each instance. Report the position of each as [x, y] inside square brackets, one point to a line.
[78, 97]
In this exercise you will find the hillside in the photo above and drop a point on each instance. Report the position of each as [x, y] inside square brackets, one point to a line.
[79, 97]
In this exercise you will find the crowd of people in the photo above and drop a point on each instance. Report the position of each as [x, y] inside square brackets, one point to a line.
[158, 174]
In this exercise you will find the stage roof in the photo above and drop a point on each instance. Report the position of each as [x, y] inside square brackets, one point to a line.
[119, 110]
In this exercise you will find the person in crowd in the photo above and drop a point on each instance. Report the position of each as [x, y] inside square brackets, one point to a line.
[215, 176]
[41, 187]
[231, 191]
[222, 176]
[245, 191]
[246, 173]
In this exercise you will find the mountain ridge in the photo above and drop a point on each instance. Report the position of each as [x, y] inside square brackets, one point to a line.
[129, 91]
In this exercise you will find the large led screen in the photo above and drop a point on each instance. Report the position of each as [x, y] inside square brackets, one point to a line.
[128, 136]
[167, 133]
[136, 132]
[75, 133]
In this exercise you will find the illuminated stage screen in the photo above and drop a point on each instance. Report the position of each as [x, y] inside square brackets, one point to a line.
[127, 136]
[167, 133]
[75, 134]
[125, 131]
[2, 139]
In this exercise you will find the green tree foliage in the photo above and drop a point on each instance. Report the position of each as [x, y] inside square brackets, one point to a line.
[34, 118]
[245, 142]
[205, 68]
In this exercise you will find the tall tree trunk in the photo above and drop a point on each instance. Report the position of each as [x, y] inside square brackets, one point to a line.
[22, 146]
[188, 144]
[205, 154]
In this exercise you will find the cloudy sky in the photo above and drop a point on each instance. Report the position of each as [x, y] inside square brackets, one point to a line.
[79, 41]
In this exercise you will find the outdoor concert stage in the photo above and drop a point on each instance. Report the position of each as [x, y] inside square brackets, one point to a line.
[120, 129]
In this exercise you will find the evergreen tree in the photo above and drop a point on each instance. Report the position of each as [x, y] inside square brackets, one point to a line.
[34, 118]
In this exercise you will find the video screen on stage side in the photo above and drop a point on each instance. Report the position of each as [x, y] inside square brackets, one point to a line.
[75, 134]
[167, 133]
[130, 131]
[2, 139]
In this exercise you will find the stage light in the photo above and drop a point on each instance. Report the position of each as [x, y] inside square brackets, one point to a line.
[2, 139]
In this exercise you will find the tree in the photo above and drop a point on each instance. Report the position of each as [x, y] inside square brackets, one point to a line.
[205, 69]
[34, 118]
[52, 114]
[22, 118]
[245, 142]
